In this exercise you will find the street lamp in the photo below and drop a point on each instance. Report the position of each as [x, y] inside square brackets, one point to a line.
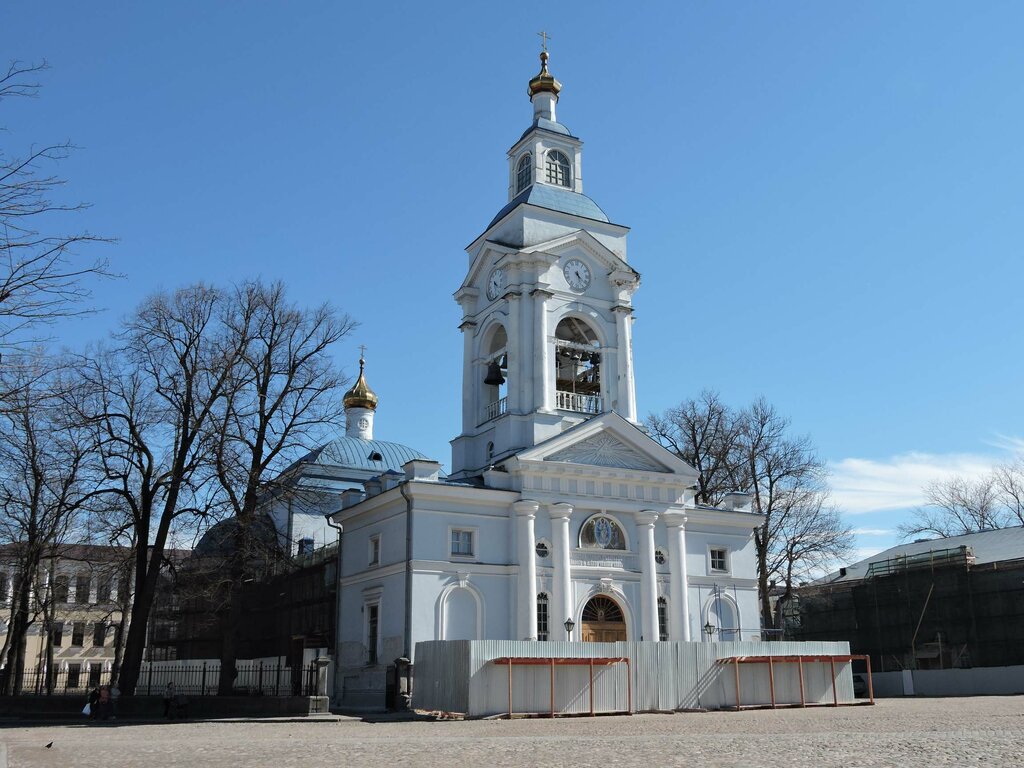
[569, 624]
[709, 629]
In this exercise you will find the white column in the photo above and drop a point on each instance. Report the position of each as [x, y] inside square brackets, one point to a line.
[526, 513]
[470, 404]
[561, 607]
[648, 581]
[679, 608]
[515, 366]
[624, 333]
[543, 365]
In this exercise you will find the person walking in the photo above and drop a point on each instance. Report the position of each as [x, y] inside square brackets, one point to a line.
[94, 702]
[115, 694]
[168, 700]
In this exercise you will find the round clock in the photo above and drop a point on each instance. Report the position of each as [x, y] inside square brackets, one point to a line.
[495, 283]
[577, 274]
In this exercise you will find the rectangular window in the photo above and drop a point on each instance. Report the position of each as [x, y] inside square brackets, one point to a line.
[78, 634]
[372, 631]
[94, 675]
[58, 634]
[99, 634]
[719, 560]
[462, 543]
[74, 670]
[82, 586]
[122, 590]
[103, 591]
[662, 619]
[60, 589]
[542, 616]
[374, 554]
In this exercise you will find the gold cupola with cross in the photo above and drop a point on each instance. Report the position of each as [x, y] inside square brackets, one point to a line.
[360, 403]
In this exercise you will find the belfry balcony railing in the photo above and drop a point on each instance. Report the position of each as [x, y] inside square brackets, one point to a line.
[571, 401]
[495, 409]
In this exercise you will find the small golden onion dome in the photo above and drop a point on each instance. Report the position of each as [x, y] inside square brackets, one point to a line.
[361, 396]
[544, 80]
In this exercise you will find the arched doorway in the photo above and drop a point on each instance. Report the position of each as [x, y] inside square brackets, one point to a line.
[603, 621]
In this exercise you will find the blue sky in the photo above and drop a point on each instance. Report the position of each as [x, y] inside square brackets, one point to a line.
[825, 198]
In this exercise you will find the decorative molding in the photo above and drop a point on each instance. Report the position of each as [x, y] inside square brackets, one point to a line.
[605, 450]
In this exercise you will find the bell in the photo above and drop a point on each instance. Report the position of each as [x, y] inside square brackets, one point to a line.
[494, 377]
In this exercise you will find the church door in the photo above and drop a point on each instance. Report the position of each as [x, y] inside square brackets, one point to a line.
[603, 621]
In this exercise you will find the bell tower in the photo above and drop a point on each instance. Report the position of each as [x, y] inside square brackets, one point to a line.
[547, 302]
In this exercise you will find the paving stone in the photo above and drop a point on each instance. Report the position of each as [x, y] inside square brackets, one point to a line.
[895, 732]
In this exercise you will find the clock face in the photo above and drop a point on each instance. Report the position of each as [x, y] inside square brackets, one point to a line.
[495, 283]
[577, 274]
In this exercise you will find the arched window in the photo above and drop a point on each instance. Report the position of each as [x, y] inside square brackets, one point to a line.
[602, 608]
[577, 367]
[542, 616]
[494, 373]
[557, 167]
[602, 532]
[524, 172]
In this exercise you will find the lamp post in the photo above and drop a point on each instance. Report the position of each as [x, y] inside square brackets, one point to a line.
[569, 624]
[709, 629]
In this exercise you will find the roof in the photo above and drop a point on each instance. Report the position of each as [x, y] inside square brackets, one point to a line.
[555, 199]
[987, 546]
[356, 453]
[547, 125]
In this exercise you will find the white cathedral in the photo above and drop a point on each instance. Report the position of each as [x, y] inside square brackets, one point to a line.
[561, 518]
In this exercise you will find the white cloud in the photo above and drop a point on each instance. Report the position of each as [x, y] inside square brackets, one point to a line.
[873, 531]
[869, 485]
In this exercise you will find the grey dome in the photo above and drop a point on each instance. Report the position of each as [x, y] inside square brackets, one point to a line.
[220, 539]
[356, 453]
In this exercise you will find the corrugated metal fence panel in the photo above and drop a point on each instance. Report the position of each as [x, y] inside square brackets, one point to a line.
[531, 685]
[460, 676]
[442, 675]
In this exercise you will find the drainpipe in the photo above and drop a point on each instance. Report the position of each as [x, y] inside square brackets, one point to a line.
[408, 569]
[337, 610]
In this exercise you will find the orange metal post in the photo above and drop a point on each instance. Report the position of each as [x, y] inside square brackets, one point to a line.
[871, 685]
[629, 685]
[510, 688]
[591, 687]
[835, 693]
[800, 663]
[771, 679]
[736, 666]
[552, 687]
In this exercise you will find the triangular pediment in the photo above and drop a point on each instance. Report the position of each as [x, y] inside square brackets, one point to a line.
[612, 442]
[606, 450]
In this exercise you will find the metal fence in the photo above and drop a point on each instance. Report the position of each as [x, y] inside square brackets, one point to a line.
[253, 679]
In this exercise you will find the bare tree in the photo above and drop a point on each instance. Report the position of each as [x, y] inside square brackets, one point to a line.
[149, 402]
[1009, 483]
[956, 506]
[283, 397]
[752, 450]
[43, 488]
[704, 433]
[41, 279]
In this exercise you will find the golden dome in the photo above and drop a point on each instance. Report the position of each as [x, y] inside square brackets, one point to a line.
[361, 396]
[544, 80]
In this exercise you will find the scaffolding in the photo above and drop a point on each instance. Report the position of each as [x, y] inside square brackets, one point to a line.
[938, 610]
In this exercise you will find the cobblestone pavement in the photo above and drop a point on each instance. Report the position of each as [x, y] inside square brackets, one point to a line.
[896, 732]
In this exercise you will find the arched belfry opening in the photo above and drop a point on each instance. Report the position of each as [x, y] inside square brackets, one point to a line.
[603, 621]
[577, 367]
[495, 374]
